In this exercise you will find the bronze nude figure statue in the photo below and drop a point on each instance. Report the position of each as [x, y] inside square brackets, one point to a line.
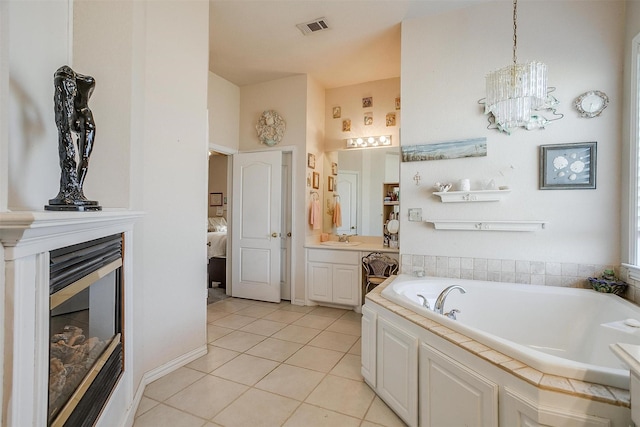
[76, 134]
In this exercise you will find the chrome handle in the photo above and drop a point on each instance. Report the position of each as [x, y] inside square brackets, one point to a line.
[425, 303]
[452, 314]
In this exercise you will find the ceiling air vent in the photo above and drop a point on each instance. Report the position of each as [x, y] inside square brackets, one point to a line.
[314, 26]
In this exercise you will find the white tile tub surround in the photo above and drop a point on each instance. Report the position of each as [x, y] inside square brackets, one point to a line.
[513, 271]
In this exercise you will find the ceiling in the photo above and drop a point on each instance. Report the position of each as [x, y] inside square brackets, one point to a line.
[254, 41]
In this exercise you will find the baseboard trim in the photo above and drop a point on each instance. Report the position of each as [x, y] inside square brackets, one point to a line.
[159, 372]
[167, 368]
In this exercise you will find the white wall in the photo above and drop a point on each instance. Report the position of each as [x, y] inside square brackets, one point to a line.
[224, 112]
[442, 80]
[288, 97]
[39, 43]
[172, 239]
[104, 54]
[316, 128]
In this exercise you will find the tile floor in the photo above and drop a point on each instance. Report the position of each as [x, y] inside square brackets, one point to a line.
[270, 365]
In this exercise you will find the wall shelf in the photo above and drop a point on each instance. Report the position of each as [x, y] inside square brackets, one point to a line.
[472, 196]
[448, 224]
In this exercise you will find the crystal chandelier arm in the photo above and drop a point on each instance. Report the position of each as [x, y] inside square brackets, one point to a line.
[515, 31]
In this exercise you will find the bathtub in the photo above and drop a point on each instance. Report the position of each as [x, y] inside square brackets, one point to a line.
[558, 331]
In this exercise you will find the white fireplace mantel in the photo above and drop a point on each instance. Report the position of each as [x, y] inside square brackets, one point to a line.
[29, 232]
[27, 237]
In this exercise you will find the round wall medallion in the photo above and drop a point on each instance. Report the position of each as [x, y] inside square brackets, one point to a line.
[590, 104]
[270, 128]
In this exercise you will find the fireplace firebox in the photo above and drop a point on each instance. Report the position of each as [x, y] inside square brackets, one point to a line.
[86, 350]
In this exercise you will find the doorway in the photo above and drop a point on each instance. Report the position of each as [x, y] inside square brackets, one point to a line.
[218, 217]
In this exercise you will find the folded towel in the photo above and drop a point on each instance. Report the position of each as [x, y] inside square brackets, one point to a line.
[337, 215]
[314, 215]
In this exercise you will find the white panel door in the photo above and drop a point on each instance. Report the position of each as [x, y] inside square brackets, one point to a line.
[256, 230]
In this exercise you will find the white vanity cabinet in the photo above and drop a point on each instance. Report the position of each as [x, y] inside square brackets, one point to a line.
[397, 373]
[476, 402]
[368, 343]
[333, 276]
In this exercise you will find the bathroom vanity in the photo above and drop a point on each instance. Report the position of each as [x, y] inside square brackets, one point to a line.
[334, 271]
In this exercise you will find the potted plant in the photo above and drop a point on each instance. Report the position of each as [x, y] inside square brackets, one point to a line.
[608, 283]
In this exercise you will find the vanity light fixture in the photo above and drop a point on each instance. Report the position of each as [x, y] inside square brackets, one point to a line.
[368, 141]
[517, 93]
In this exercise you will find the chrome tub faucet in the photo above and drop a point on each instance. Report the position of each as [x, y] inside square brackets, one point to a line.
[439, 306]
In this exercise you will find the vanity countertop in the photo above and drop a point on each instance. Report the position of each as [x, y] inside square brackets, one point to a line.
[362, 246]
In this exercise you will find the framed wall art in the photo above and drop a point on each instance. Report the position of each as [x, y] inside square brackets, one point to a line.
[334, 168]
[568, 166]
[311, 160]
[316, 180]
[391, 119]
[215, 199]
[330, 183]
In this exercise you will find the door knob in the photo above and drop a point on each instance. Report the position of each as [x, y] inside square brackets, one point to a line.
[289, 234]
[274, 234]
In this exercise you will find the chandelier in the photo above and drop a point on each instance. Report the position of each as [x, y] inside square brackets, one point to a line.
[517, 93]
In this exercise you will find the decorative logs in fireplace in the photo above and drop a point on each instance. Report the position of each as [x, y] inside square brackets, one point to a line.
[71, 357]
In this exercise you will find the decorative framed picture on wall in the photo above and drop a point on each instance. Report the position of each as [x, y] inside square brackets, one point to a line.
[391, 119]
[568, 166]
[346, 125]
[337, 112]
[316, 180]
[311, 160]
[334, 168]
[368, 119]
[330, 183]
[215, 199]
[367, 102]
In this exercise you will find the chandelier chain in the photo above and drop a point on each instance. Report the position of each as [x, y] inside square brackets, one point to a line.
[515, 31]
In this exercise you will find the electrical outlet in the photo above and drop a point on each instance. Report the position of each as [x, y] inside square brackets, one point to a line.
[415, 214]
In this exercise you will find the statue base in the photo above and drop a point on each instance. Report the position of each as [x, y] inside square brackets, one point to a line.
[72, 208]
[76, 205]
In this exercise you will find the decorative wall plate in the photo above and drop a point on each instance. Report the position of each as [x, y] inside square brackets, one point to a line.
[590, 104]
[270, 128]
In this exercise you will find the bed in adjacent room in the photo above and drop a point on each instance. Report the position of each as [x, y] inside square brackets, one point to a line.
[217, 250]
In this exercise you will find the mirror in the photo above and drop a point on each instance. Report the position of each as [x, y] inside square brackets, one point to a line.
[359, 178]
